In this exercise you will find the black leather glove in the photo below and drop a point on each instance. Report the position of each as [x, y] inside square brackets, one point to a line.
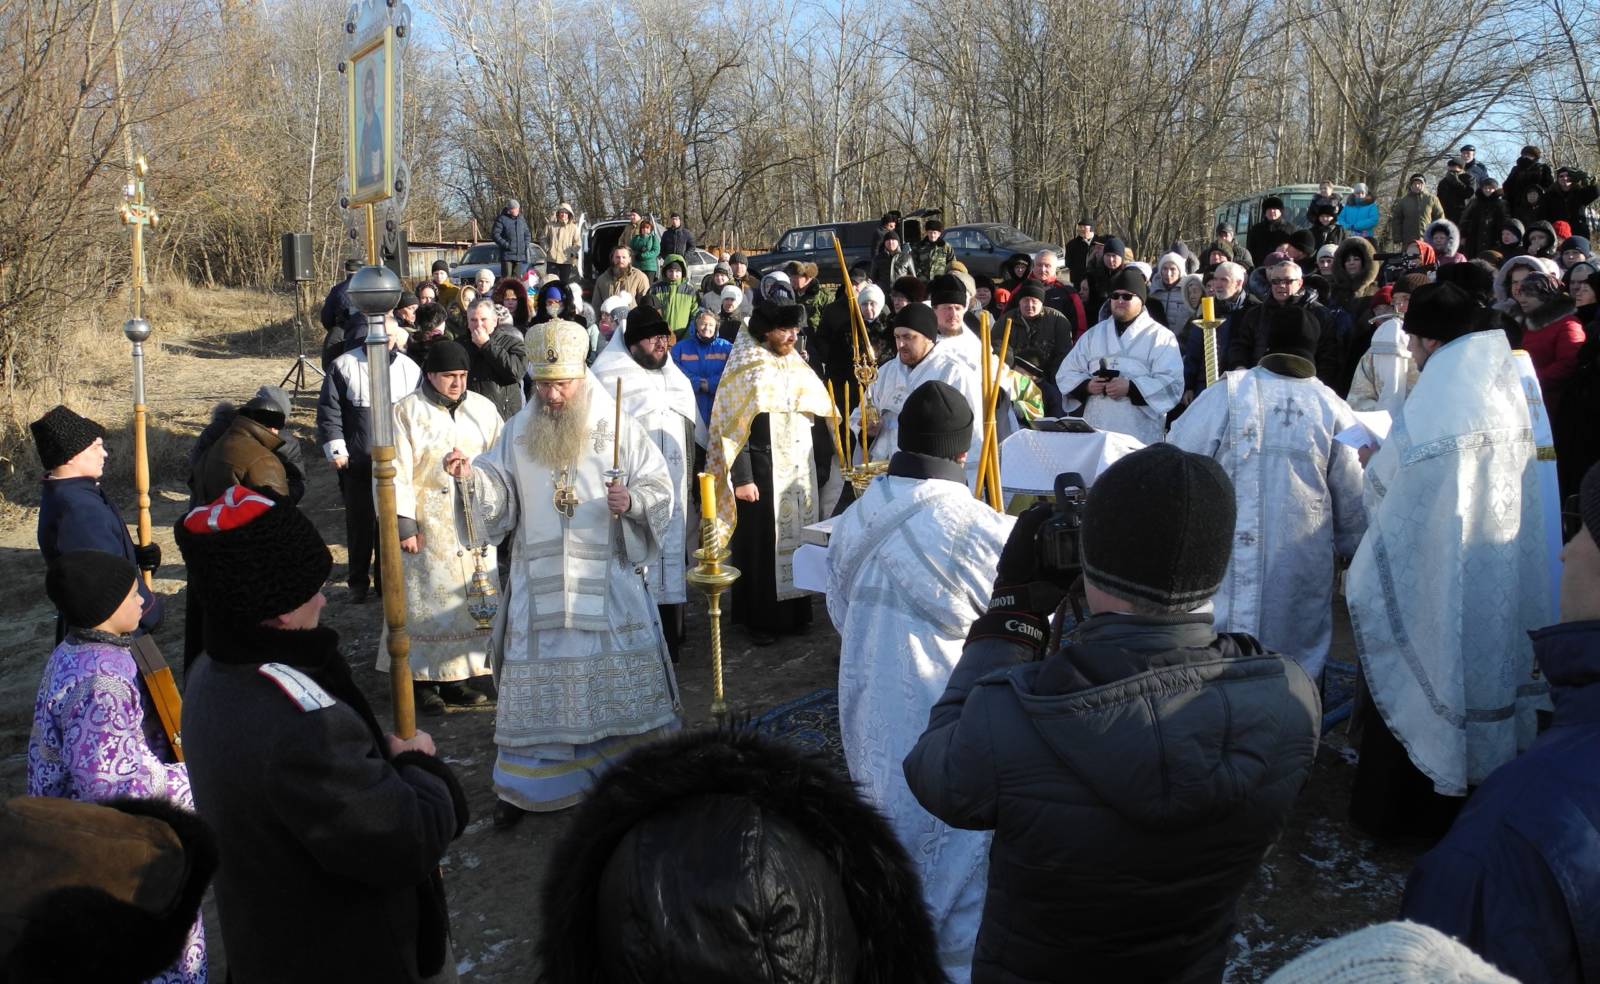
[148, 556]
[1024, 597]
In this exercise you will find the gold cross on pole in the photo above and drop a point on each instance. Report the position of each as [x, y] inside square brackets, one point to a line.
[138, 213]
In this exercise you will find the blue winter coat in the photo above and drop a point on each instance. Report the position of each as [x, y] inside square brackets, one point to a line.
[511, 235]
[1518, 876]
[703, 363]
[74, 514]
[1360, 219]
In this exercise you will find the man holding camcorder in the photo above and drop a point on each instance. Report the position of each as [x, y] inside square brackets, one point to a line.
[1136, 772]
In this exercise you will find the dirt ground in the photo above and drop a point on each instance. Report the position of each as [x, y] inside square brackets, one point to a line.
[1320, 881]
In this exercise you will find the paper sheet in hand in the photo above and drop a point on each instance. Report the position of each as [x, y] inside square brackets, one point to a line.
[1030, 460]
[811, 568]
[1371, 427]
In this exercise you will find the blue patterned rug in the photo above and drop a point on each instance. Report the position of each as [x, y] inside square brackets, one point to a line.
[812, 722]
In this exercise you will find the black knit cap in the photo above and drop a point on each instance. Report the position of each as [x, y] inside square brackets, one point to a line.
[947, 288]
[1442, 312]
[88, 586]
[251, 559]
[919, 318]
[644, 322]
[1032, 288]
[1115, 245]
[1130, 280]
[61, 434]
[1290, 331]
[445, 355]
[439, 265]
[1158, 528]
[936, 420]
[1302, 240]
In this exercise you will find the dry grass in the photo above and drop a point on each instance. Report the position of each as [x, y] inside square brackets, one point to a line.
[89, 370]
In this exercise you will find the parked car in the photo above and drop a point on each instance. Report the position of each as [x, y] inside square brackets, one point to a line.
[700, 263]
[486, 256]
[814, 244]
[601, 238]
[1242, 213]
[984, 246]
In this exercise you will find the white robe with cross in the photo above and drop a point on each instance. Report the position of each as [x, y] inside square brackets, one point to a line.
[1298, 493]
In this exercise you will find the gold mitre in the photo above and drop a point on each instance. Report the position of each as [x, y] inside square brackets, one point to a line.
[558, 349]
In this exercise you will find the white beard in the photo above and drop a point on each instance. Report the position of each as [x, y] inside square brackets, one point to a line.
[556, 439]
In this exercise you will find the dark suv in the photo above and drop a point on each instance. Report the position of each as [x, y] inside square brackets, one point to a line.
[814, 244]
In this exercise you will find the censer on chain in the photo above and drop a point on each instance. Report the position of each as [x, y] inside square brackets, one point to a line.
[483, 600]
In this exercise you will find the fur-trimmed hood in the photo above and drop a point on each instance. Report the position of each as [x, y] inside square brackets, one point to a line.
[1450, 229]
[723, 856]
[1361, 284]
[1551, 239]
[113, 892]
[1502, 279]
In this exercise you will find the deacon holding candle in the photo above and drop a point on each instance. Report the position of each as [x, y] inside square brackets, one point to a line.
[658, 396]
[583, 669]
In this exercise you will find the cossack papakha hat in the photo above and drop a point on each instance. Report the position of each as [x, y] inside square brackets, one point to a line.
[251, 559]
[558, 349]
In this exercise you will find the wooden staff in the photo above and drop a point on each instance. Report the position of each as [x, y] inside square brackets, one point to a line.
[137, 214]
[989, 454]
[980, 488]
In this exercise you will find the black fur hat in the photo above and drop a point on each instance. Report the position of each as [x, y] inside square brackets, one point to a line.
[723, 856]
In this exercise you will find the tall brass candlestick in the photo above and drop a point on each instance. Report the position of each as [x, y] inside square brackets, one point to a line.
[1209, 323]
[137, 213]
[712, 575]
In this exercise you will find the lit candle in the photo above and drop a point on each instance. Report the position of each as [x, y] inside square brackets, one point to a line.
[1208, 309]
[708, 496]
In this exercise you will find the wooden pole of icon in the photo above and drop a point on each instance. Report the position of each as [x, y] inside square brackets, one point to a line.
[137, 214]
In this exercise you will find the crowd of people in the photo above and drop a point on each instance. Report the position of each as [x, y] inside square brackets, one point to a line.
[1073, 729]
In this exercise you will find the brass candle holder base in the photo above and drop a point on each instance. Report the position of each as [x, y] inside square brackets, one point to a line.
[713, 575]
[860, 476]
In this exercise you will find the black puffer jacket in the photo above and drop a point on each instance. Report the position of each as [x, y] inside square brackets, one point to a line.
[1134, 780]
[1247, 341]
[717, 856]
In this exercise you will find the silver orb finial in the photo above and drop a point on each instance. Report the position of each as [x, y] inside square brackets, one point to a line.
[136, 329]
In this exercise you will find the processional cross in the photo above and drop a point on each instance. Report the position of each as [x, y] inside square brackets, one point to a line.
[138, 213]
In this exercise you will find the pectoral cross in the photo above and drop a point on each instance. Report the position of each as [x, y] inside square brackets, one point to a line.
[138, 213]
[1289, 410]
[565, 498]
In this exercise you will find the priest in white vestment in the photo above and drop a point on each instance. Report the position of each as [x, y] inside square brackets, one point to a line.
[911, 566]
[918, 359]
[448, 650]
[1450, 578]
[1126, 373]
[577, 649]
[949, 296]
[1298, 493]
[657, 395]
[760, 450]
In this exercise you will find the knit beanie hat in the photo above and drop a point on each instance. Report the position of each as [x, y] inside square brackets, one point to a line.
[446, 356]
[731, 292]
[88, 586]
[1579, 243]
[1158, 528]
[1114, 245]
[1301, 239]
[1290, 331]
[61, 434]
[936, 420]
[919, 318]
[910, 288]
[1390, 953]
[870, 292]
[439, 265]
[1442, 312]
[1131, 281]
[947, 289]
[645, 322]
[250, 558]
[1031, 288]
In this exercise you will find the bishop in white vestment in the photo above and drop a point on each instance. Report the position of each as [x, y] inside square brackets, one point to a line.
[1298, 494]
[577, 649]
[657, 395]
[1126, 373]
[447, 646]
[911, 566]
[1452, 575]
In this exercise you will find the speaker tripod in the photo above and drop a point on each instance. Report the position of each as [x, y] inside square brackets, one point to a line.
[297, 372]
